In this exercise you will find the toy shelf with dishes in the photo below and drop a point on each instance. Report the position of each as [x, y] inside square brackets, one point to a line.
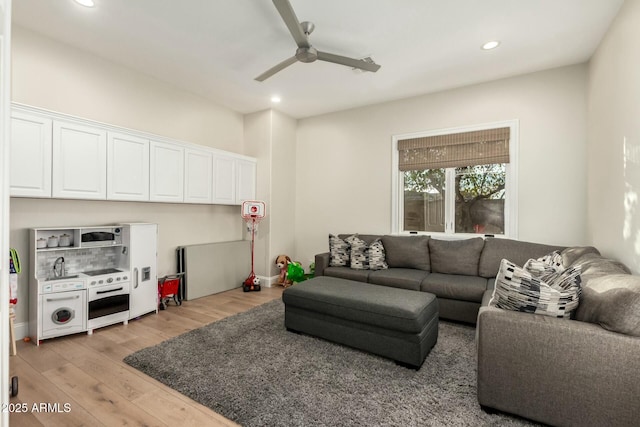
[65, 238]
[55, 239]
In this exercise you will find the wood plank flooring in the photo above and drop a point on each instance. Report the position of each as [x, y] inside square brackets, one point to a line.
[81, 380]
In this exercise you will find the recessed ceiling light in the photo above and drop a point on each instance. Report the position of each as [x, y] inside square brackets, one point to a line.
[86, 3]
[275, 99]
[491, 45]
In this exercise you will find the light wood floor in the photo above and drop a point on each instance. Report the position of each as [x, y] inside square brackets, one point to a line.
[87, 372]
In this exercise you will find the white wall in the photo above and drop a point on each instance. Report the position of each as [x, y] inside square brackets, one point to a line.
[57, 77]
[257, 130]
[614, 140]
[270, 136]
[343, 173]
[283, 189]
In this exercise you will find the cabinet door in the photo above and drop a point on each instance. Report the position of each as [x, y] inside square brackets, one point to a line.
[30, 155]
[79, 161]
[127, 167]
[167, 172]
[246, 180]
[198, 173]
[224, 179]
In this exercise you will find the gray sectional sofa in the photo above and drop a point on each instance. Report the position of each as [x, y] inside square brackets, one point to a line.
[583, 371]
[457, 272]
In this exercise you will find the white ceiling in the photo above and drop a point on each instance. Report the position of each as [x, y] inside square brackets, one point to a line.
[215, 48]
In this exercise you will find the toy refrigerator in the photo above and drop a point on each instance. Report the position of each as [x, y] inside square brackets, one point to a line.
[143, 242]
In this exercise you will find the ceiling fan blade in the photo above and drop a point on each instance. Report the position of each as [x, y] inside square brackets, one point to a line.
[349, 62]
[271, 71]
[289, 17]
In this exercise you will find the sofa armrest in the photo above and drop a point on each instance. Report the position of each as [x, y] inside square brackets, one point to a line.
[557, 371]
[322, 262]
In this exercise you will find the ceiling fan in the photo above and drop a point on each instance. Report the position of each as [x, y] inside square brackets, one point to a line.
[306, 52]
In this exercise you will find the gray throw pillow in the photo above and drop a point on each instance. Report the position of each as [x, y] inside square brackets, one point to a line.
[613, 302]
[456, 256]
[407, 251]
[377, 256]
[339, 252]
[359, 253]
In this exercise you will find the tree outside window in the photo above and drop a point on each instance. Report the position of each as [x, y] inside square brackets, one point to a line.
[479, 193]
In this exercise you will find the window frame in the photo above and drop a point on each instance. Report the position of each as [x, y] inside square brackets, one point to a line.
[511, 186]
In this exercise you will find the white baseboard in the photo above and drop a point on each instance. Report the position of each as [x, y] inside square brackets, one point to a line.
[268, 282]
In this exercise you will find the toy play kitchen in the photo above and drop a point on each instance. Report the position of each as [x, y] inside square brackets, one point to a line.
[84, 278]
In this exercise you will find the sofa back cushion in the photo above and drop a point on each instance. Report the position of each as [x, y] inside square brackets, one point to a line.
[497, 249]
[613, 302]
[407, 252]
[456, 256]
[595, 265]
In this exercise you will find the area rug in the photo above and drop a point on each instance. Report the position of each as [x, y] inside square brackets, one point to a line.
[248, 368]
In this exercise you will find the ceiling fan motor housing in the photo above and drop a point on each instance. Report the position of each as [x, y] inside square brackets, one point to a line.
[306, 54]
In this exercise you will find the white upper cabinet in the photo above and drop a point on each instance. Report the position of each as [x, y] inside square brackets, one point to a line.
[66, 157]
[79, 161]
[224, 179]
[30, 155]
[198, 174]
[246, 180]
[234, 179]
[167, 172]
[127, 167]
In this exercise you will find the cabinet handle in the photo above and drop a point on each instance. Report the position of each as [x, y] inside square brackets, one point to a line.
[109, 291]
[135, 278]
[62, 298]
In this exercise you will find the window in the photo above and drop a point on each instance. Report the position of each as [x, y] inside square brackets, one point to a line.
[456, 181]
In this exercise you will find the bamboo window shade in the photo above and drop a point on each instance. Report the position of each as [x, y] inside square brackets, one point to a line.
[480, 147]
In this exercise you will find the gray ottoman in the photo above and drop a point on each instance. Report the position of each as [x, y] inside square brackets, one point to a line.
[396, 323]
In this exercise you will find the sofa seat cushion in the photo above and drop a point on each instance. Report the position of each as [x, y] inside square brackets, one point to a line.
[455, 286]
[347, 273]
[496, 249]
[382, 306]
[405, 278]
[456, 256]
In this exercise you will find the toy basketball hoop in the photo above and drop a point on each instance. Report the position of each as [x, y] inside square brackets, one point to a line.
[252, 212]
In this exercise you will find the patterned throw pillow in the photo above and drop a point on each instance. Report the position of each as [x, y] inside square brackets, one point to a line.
[546, 267]
[377, 256]
[359, 253]
[543, 286]
[339, 252]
